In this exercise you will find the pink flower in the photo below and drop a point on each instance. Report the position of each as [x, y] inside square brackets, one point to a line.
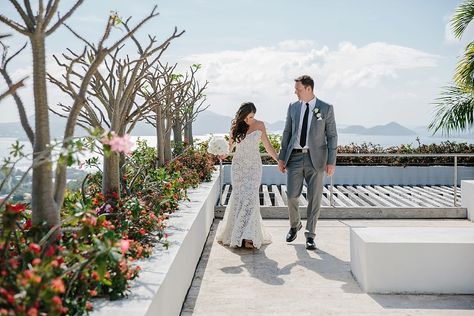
[124, 245]
[119, 143]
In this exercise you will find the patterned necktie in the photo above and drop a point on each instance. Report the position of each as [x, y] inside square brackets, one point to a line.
[304, 127]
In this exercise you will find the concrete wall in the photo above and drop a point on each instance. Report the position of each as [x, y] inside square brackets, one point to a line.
[166, 276]
[467, 197]
[383, 175]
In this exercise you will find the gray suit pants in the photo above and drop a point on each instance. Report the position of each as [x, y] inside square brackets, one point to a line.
[299, 168]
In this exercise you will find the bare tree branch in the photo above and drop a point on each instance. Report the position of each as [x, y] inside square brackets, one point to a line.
[12, 89]
[29, 10]
[19, 103]
[62, 19]
[29, 22]
[14, 25]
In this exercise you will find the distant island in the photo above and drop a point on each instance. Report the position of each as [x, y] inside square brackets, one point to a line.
[390, 129]
[208, 122]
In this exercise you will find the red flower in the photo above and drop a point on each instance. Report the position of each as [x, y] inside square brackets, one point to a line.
[10, 299]
[60, 260]
[95, 276]
[28, 224]
[58, 285]
[50, 251]
[142, 231]
[32, 312]
[13, 263]
[16, 208]
[57, 300]
[95, 201]
[88, 306]
[36, 261]
[35, 248]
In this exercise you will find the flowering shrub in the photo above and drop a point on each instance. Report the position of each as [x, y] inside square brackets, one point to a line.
[101, 237]
[442, 148]
[59, 277]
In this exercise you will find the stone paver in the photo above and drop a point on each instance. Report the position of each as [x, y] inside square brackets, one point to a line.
[286, 279]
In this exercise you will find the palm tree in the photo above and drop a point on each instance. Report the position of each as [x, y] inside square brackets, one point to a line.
[455, 107]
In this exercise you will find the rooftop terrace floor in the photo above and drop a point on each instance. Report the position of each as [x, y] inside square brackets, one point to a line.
[287, 279]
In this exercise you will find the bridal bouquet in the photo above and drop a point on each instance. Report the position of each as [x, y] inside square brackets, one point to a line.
[218, 146]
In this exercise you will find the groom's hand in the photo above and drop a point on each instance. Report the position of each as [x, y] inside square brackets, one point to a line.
[330, 170]
[281, 166]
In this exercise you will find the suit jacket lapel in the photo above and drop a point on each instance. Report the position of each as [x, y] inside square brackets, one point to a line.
[314, 119]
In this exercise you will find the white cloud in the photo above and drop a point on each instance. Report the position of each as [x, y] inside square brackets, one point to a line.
[265, 74]
[378, 79]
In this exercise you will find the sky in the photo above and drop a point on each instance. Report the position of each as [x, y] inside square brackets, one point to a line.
[376, 61]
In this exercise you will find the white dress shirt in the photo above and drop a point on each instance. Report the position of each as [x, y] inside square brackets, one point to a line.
[312, 104]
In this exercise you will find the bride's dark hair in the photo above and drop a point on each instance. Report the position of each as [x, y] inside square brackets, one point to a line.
[239, 127]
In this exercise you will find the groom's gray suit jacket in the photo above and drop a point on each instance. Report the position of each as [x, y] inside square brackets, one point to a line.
[322, 136]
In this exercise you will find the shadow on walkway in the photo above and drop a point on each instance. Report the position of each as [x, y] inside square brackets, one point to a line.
[258, 265]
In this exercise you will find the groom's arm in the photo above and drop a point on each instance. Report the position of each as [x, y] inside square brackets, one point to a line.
[331, 136]
[286, 136]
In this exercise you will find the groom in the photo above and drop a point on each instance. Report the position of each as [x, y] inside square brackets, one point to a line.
[308, 149]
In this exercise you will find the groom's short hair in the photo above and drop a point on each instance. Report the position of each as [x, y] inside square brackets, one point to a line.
[306, 81]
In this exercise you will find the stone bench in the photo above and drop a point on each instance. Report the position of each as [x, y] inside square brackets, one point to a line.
[429, 260]
[467, 197]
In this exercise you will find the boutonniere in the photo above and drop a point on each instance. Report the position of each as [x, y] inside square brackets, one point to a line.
[317, 113]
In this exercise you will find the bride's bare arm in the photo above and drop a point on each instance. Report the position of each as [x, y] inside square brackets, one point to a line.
[266, 143]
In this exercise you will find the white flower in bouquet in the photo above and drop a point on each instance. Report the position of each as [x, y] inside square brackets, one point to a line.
[218, 146]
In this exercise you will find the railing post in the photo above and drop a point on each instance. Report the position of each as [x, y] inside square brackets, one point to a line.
[455, 180]
[331, 193]
[221, 179]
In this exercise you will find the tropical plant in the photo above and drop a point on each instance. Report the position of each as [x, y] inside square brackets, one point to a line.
[455, 108]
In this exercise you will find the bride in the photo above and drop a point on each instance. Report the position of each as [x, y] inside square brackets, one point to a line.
[242, 223]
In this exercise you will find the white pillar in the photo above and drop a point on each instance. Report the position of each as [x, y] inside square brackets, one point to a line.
[467, 197]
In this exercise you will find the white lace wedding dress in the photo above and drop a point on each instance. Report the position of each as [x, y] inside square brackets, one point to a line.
[242, 219]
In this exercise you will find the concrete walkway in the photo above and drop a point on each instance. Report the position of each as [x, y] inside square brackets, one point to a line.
[286, 279]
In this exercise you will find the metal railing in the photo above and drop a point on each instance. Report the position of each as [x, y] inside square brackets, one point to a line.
[454, 156]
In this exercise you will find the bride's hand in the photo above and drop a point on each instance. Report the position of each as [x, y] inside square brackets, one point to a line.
[222, 157]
